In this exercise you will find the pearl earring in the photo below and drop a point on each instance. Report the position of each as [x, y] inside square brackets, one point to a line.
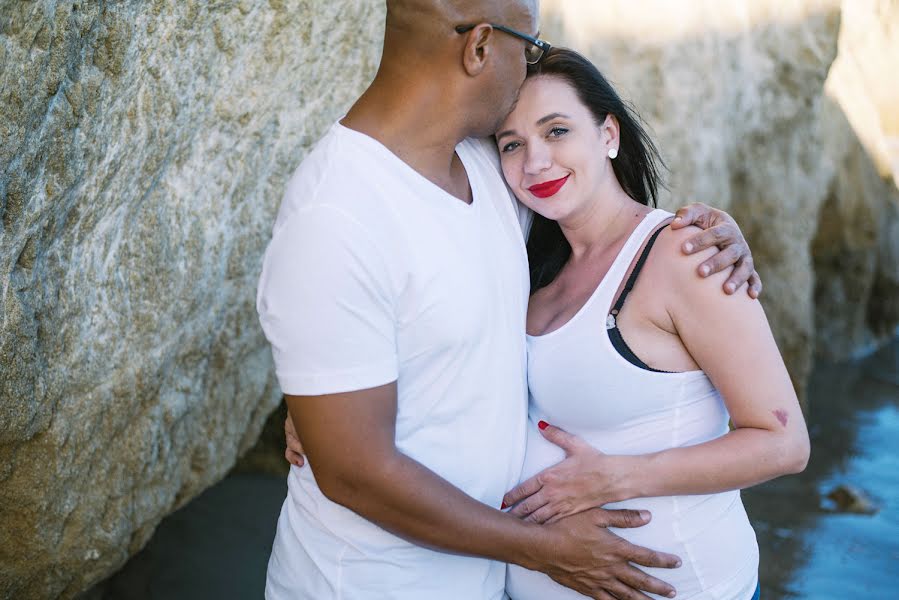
[613, 153]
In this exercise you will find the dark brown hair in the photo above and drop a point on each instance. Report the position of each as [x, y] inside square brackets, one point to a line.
[638, 166]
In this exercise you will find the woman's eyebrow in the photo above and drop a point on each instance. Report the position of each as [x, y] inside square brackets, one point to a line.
[552, 116]
[543, 120]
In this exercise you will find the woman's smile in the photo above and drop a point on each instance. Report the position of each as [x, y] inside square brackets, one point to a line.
[548, 188]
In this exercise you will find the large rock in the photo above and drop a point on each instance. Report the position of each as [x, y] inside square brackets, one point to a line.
[143, 150]
[735, 97]
[857, 245]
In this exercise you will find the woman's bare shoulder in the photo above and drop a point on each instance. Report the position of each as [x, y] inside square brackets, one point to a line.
[671, 264]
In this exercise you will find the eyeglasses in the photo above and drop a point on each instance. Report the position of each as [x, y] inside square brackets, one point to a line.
[533, 51]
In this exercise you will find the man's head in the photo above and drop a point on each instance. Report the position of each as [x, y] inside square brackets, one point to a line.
[452, 46]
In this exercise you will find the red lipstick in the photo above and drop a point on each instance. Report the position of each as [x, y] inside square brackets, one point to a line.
[548, 188]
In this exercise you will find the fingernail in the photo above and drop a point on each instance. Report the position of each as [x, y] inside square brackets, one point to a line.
[688, 247]
[729, 287]
[672, 594]
[503, 507]
[677, 218]
[542, 425]
[644, 514]
[704, 270]
[678, 563]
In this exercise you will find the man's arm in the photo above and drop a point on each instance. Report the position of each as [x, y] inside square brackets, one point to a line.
[349, 442]
[722, 232]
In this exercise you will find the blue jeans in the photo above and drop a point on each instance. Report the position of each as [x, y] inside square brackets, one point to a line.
[758, 592]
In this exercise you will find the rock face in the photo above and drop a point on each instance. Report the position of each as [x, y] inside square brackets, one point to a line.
[143, 150]
[856, 248]
[736, 99]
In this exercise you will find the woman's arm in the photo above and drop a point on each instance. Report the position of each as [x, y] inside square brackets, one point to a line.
[730, 339]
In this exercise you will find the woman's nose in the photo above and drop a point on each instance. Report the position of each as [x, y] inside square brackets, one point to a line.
[537, 159]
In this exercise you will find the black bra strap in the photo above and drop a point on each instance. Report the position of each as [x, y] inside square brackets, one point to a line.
[632, 280]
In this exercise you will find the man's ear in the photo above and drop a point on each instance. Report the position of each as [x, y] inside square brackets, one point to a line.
[478, 46]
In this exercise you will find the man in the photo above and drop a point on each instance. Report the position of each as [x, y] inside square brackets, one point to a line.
[394, 294]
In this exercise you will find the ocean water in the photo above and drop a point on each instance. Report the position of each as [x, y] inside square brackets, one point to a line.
[218, 545]
[807, 550]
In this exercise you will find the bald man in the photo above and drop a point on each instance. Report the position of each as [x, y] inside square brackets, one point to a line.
[394, 293]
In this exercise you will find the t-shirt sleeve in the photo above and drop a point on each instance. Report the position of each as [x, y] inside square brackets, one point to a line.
[325, 304]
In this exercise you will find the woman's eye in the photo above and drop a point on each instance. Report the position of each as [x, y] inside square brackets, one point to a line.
[557, 131]
[510, 146]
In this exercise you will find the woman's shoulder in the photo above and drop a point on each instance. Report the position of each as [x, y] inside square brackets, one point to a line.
[669, 263]
[669, 247]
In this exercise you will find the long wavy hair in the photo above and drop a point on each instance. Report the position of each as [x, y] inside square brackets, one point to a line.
[638, 166]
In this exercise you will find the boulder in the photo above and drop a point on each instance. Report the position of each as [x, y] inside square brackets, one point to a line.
[856, 247]
[144, 146]
[759, 108]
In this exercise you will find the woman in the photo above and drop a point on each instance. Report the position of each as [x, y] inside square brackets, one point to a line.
[628, 356]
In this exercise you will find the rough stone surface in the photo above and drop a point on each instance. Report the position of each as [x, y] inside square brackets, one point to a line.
[143, 149]
[856, 248]
[735, 97]
[144, 145]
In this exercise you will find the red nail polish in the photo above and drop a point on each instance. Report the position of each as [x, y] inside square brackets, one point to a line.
[503, 507]
[542, 425]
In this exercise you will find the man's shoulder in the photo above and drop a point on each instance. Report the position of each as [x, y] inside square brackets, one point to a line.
[335, 174]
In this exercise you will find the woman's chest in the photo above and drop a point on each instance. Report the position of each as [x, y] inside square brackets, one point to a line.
[553, 306]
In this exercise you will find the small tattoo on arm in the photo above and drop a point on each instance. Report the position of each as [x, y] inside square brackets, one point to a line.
[781, 416]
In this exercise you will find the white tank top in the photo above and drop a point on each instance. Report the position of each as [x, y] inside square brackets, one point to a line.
[579, 382]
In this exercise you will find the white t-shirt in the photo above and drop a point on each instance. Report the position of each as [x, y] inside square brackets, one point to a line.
[374, 274]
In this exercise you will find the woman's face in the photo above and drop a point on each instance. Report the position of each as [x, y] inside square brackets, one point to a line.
[553, 154]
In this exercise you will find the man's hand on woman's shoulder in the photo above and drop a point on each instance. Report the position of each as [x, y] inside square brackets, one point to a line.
[720, 231]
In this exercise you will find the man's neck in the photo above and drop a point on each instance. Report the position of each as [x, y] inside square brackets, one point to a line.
[409, 122]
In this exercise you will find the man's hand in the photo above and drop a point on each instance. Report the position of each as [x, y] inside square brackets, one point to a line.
[722, 232]
[350, 438]
[294, 452]
[592, 560]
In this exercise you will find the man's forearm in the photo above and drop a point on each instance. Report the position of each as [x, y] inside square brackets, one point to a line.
[411, 501]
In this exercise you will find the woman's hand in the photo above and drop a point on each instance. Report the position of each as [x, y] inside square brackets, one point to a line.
[722, 232]
[294, 452]
[586, 479]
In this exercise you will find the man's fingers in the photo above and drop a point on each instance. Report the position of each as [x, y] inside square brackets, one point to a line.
[651, 558]
[721, 261]
[740, 275]
[707, 238]
[755, 285]
[623, 519]
[624, 591]
[638, 580]
[689, 215]
[602, 595]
